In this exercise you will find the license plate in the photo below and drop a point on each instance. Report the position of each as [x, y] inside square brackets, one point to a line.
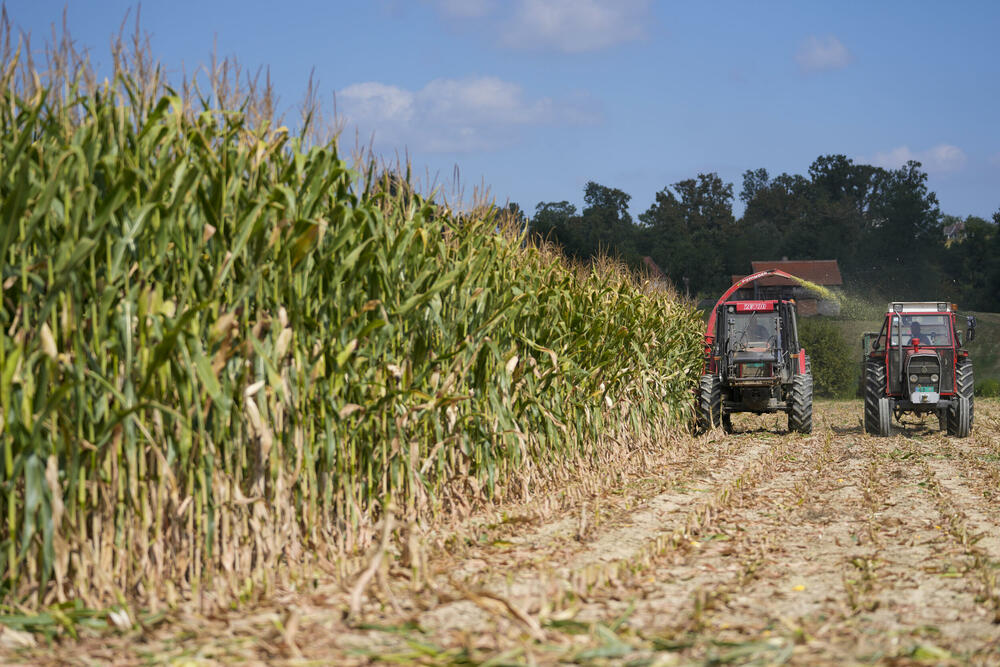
[925, 388]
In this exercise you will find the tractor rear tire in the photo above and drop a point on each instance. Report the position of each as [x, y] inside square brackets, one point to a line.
[961, 413]
[878, 413]
[709, 408]
[800, 404]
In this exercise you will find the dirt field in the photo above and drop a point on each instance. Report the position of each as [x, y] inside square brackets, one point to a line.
[760, 547]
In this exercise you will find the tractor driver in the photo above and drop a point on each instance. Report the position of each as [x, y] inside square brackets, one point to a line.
[915, 333]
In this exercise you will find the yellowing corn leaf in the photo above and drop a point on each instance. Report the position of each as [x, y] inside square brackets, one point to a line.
[254, 388]
[349, 410]
[284, 341]
[512, 364]
[49, 343]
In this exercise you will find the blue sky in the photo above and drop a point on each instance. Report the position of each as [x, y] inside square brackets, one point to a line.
[533, 98]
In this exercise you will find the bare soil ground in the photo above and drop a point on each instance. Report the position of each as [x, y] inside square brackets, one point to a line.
[761, 547]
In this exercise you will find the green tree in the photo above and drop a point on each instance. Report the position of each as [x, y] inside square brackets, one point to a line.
[840, 179]
[607, 224]
[689, 231]
[604, 227]
[753, 182]
[772, 223]
[905, 243]
[833, 362]
[820, 217]
[972, 265]
[554, 221]
[883, 226]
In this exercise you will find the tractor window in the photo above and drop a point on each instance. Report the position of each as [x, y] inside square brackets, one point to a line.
[933, 330]
[752, 330]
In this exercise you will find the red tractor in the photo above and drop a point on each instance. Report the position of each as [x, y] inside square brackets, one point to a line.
[753, 362]
[916, 364]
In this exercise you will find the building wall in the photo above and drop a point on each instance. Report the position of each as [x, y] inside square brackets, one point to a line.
[828, 308]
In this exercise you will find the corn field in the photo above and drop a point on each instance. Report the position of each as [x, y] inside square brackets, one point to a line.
[224, 352]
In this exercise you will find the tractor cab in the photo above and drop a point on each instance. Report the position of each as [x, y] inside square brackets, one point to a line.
[751, 335]
[757, 341]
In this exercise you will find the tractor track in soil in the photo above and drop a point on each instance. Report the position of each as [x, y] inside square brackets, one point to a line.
[758, 547]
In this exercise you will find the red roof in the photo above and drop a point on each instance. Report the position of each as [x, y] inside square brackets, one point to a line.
[819, 271]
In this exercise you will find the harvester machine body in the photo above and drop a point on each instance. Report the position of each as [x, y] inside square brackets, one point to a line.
[753, 361]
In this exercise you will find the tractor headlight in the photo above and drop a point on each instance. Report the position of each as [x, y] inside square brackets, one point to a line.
[934, 377]
[913, 378]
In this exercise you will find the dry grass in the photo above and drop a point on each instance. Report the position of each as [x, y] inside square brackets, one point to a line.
[768, 548]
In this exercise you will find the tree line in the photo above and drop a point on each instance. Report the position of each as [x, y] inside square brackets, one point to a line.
[884, 226]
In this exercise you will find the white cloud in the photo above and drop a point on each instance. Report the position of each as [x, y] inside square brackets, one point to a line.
[940, 159]
[570, 26]
[377, 100]
[575, 26]
[817, 54]
[450, 115]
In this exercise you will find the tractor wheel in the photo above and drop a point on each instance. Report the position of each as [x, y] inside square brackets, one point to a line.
[960, 418]
[800, 404]
[878, 415]
[727, 422]
[961, 414]
[709, 406]
[966, 387]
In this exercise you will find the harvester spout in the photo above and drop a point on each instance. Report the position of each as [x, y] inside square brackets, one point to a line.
[710, 331]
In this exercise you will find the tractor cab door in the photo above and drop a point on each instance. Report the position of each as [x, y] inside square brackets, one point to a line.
[789, 337]
[789, 328]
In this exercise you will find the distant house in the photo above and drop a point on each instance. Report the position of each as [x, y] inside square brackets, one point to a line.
[954, 232]
[824, 272]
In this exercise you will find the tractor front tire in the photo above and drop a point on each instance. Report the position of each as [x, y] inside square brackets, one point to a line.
[709, 408]
[878, 414]
[800, 404]
[960, 414]
[960, 418]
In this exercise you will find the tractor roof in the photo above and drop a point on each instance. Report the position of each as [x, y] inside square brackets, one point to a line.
[921, 307]
[764, 306]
